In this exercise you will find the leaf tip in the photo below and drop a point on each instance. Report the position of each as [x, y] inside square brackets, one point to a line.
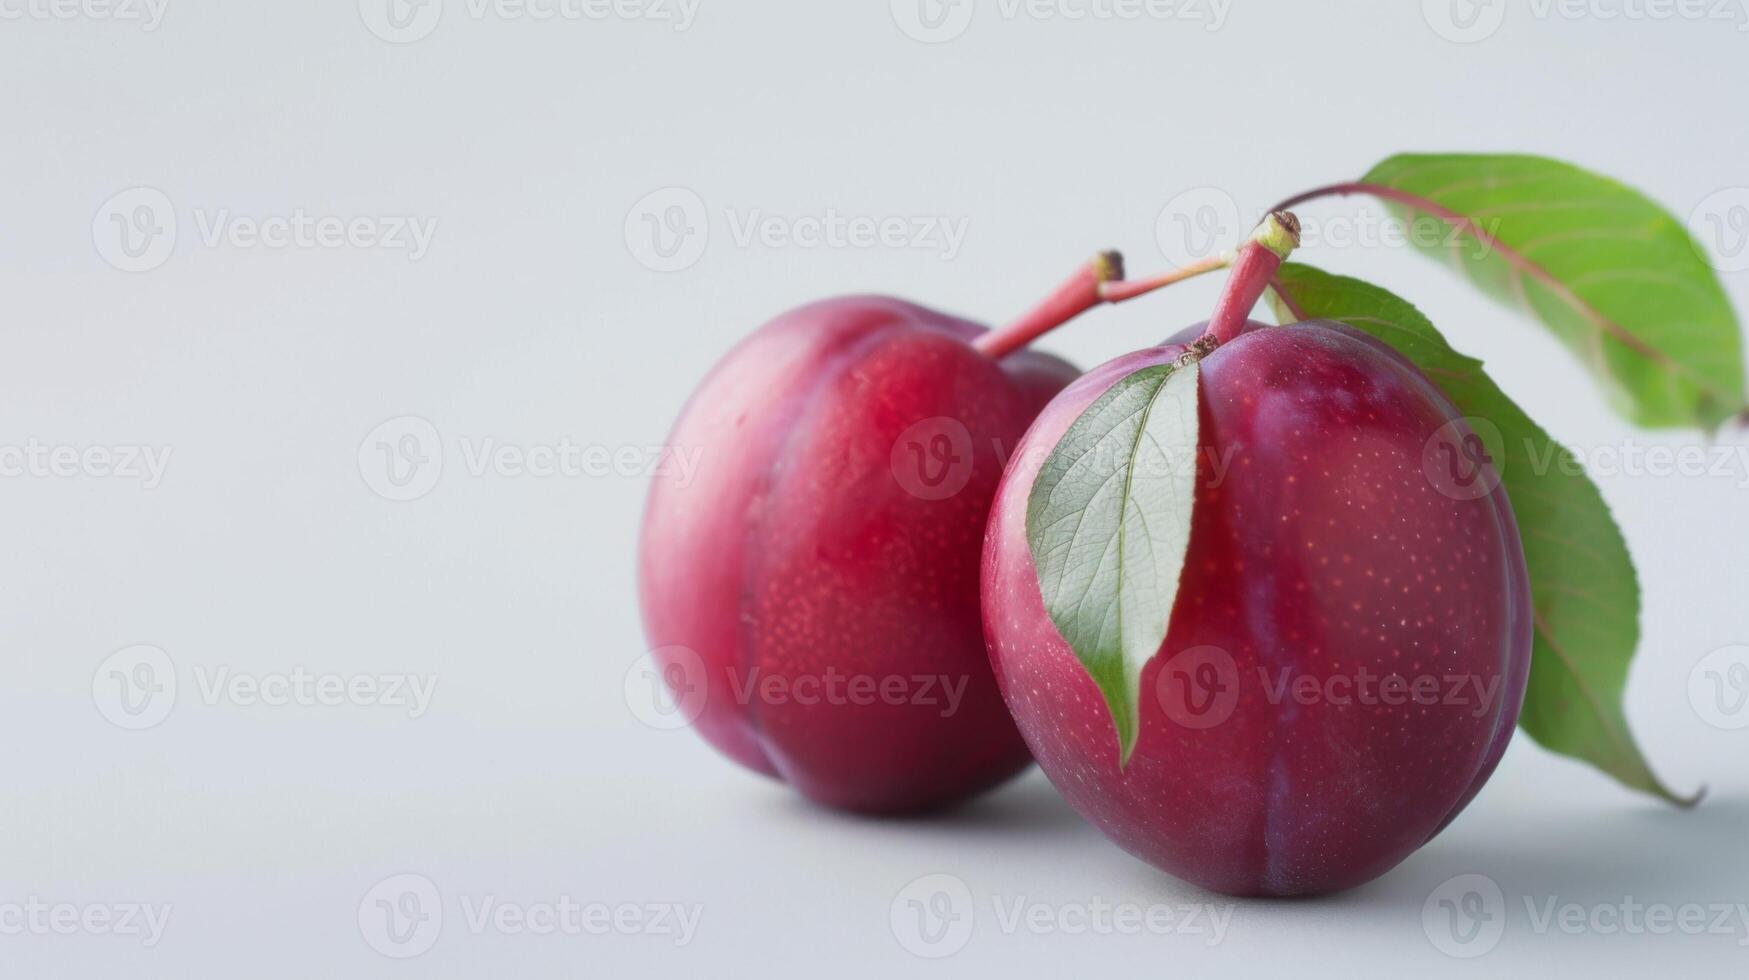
[1687, 802]
[1126, 747]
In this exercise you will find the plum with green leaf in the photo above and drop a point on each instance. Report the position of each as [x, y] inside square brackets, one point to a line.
[1257, 601]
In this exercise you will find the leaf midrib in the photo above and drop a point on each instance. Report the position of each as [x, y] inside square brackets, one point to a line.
[1603, 326]
[1123, 535]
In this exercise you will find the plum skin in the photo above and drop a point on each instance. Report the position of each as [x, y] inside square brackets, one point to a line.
[796, 556]
[1325, 551]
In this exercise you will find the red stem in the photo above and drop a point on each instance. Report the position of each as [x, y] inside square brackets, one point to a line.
[1252, 272]
[1120, 290]
[1099, 281]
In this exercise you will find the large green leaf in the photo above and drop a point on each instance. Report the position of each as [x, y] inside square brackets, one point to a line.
[1584, 593]
[1616, 278]
[1108, 521]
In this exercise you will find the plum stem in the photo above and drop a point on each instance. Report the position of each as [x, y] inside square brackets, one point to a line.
[1100, 280]
[1275, 238]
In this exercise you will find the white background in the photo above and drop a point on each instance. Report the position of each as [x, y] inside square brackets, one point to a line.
[534, 317]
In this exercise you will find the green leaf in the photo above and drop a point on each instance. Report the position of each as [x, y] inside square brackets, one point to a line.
[1108, 521]
[1584, 594]
[1614, 276]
